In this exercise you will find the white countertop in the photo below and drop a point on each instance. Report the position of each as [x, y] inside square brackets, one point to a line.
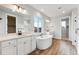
[14, 36]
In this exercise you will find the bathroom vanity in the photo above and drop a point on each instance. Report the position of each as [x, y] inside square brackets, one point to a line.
[14, 44]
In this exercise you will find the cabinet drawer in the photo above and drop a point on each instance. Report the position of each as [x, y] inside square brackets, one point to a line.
[24, 40]
[8, 43]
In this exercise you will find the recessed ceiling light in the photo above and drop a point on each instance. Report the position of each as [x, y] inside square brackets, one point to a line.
[63, 12]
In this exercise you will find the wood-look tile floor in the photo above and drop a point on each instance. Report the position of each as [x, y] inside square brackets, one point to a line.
[58, 47]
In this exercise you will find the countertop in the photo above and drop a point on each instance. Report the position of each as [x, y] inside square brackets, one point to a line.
[14, 36]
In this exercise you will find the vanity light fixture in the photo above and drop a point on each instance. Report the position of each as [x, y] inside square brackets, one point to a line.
[24, 12]
[19, 9]
[14, 8]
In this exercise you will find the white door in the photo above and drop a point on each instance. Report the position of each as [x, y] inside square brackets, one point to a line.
[74, 27]
[77, 36]
[74, 32]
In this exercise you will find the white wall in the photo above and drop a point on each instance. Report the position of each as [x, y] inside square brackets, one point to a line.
[20, 20]
[2, 23]
[58, 28]
[56, 22]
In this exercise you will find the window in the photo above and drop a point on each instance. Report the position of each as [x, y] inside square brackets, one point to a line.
[38, 24]
[63, 23]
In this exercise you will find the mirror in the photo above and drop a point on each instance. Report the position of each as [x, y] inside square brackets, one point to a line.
[11, 24]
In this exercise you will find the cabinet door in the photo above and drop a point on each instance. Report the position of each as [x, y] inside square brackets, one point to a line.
[9, 48]
[21, 46]
[24, 46]
[27, 46]
[33, 43]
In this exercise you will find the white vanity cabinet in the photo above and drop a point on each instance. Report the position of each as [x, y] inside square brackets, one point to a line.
[24, 45]
[18, 46]
[33, 43]
[8, 47]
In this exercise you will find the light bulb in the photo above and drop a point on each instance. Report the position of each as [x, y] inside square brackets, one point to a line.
[20, 9]
[24, 12]
[63, 12]
[14, 8]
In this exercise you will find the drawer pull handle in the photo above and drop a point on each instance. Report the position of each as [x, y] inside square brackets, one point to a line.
[24, 42]
[9, 43]
[14, 46]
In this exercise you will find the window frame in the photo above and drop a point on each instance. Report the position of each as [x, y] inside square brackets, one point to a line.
[39, 26]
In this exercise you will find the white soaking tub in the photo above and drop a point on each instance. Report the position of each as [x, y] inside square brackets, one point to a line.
[44, 42]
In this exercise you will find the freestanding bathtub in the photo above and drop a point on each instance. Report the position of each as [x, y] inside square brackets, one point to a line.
[44, 42]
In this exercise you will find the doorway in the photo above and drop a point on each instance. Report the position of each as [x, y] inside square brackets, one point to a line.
[65, 28]
[11, 24]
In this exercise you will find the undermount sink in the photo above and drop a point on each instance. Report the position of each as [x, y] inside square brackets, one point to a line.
[44, 41]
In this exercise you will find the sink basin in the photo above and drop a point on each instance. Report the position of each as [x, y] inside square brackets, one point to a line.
[44, 41]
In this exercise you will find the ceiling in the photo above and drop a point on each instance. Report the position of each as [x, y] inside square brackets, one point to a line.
[53, 10]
